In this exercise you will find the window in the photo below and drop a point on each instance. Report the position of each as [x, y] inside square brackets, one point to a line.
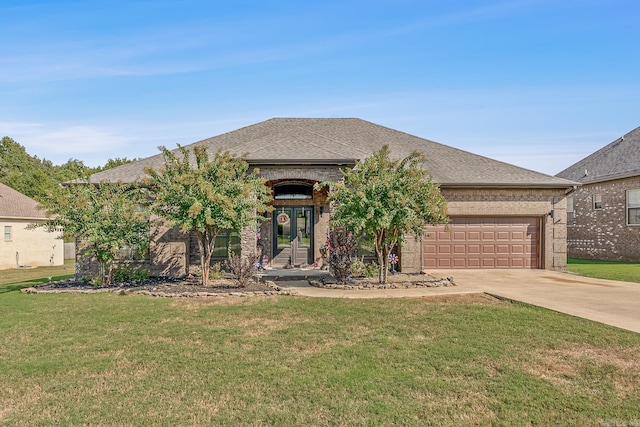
[226, 242]
[293, 191]
[597, 201]
[571, 218]
[633, 207]
[7, 233]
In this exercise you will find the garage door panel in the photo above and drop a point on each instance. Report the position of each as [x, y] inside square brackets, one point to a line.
[474, 235]
[488, 249]
[510, 242]
[518, 249]
[503, 262]
[459, 249]
[474, 263]
[459, 236]
[443, 235]
[488, 263]
[518, 235]
[503, 235]
[459, 263]
[489, 235]
[503, 249]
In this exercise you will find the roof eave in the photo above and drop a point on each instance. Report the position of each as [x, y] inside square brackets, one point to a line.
[298, 162]
[456, 185]
[611, 177]
[23, 218]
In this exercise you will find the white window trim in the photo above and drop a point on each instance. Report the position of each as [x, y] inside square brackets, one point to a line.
[594, 201]
[627, 207]
[571, 214]
[4, 231]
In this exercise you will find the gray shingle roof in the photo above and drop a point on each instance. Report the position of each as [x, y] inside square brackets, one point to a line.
[340, 141]
[619, 159]
[16, 205]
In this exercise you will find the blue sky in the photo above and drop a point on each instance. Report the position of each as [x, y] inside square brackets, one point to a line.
[537, 83]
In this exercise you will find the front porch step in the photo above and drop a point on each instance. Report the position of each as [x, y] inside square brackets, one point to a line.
[291, 274]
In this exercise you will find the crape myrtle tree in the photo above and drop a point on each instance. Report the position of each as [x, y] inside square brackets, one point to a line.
[384, 200]
[107, 217]
[206, 196]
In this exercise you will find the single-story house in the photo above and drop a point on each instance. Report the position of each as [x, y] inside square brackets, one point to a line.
[604, 212]
[502, 216]
[20, 246]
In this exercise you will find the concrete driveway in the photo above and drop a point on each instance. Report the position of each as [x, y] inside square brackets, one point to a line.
[606, 301]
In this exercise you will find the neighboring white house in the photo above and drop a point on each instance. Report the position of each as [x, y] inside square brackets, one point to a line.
[20, 246]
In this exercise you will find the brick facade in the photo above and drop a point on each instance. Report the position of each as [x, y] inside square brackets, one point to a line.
[505, 203]
[603, 233]
[174, 253]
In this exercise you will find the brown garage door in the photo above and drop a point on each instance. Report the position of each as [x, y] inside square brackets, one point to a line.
[483, 243]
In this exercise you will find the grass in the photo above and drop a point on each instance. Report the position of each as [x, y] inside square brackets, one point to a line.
[18, 278]
[613, 270]
[108, 359]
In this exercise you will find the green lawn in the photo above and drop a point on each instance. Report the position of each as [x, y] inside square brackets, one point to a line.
[108, 359]
[614, 270]
[18, 278]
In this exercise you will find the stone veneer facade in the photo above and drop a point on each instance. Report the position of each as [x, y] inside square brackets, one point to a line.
[603, 233]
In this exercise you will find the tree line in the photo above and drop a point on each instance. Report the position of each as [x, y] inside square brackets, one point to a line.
[35, 177]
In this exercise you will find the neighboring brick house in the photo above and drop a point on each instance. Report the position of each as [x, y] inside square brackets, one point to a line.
[502, 216]
[604, 212]
[22, 247]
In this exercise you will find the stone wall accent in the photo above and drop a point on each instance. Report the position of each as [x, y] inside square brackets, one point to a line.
[313, 173]
[603, 233]
[169, 250]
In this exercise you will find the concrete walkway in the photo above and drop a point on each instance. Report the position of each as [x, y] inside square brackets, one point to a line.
[606, 301]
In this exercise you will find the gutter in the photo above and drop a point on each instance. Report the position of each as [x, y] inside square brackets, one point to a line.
[611, 177]
[567, 185]
[298, 162]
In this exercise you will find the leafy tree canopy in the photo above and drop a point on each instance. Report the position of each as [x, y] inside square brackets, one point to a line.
[384, 200]
[206, 196]
[36, 177]
[107, 217]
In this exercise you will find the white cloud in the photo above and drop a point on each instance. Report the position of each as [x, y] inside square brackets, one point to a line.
[59, 143]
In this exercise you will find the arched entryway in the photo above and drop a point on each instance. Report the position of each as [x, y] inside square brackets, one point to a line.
[297, 223]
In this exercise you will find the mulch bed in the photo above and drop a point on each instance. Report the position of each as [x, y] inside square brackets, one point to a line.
[395, 281]
[162, 286]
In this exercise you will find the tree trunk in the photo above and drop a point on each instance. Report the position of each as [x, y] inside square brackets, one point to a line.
[381, 277]
[204, 260]
[385, 261]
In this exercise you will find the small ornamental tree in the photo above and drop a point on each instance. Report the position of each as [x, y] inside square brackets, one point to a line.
[206, 196]
[106, 217]
[386, 199]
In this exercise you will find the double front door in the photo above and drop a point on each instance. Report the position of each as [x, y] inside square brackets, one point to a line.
[293, 231]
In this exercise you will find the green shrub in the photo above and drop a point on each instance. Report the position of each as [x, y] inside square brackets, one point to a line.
[217, 271]
[364, 269]
[128, 273]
